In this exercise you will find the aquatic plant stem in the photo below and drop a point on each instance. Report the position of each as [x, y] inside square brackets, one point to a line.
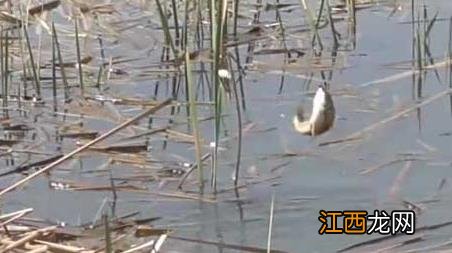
[79, 61]
[194, 119]
[33, 66]
[60, 63]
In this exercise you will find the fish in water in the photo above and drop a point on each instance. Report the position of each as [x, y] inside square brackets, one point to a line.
[322, 116]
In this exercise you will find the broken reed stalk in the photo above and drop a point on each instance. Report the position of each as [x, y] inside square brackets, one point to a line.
[28, 237]
[10, 217]
[270, 224]
[190, 170]
[357, 135]
[79, 58]
[87, 145]
[33, 66]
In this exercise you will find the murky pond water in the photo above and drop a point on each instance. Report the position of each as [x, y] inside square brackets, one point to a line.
[406, 159]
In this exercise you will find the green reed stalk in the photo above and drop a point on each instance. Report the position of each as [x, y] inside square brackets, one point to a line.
[194, 118]
[312, 23]
[413, 50]
[2, 64]
[100, 72]
[24, 68]
[191, 88]
[79, 58]
[6, 74]
[108, 243]
[218, 21]
[449, 54]
[166, 30]
[33, 66]
[319, 16]
[333, 28]
[428, 55]
[420, 66]
[352, 10]
[60, 63]
[239, 124]
[215, 40]
[176, 21]
[236, 14]
[54, 82]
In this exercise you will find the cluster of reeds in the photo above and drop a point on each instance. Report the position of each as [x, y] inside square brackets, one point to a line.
[194, 45]
[191, 43]
[202, 65]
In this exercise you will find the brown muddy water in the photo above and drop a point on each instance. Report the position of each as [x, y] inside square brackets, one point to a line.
[400, 163]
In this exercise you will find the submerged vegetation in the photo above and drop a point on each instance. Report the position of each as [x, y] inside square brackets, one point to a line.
[160, 100]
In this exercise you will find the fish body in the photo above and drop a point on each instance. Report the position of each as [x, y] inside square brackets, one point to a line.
[322, 116]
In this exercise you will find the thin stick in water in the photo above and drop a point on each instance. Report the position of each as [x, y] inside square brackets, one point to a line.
[270, 224]
[87, 145]
[358, 134]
